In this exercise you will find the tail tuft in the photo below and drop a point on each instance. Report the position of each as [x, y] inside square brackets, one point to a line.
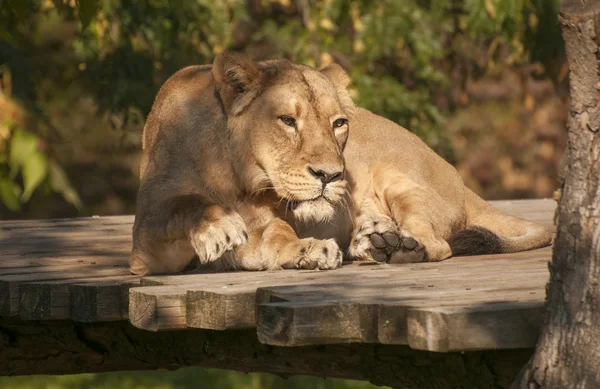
[475, 241]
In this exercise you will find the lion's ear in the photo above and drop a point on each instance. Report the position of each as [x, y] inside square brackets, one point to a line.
[337, 75]
[340, 79]
[238, 79]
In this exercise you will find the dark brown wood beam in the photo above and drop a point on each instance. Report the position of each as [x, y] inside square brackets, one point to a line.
[66, 347]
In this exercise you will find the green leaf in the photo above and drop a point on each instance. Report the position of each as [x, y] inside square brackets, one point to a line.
[87, 11]
[35, 170]
[22, 146]
[60, 184]
[9, 192]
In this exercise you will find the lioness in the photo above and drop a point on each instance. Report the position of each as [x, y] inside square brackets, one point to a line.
[270, 165]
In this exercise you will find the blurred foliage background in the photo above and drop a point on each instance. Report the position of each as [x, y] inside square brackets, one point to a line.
[187, 378]
[483, 82]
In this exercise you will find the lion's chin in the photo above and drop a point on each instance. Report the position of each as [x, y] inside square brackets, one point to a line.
[313, 211]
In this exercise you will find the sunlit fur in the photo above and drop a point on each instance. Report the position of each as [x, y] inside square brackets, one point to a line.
[278, 156]
[215, 136]
[228, 174]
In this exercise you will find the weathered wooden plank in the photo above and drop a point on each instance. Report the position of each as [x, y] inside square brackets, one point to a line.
[51, 300]
[314, 321]
[221, 309]
[67, 222]
[68, 252]
[153, 317]
[150, 297]
[33, 264]
[230, 307]
[73, 247]
[392, 320]
[462, 263]
[62, 232]
[375, 311]
[18, 246]
[304, 323]
[487, 326]
[9, 284]
[74, 266]
[25, 234]
[219, 302]
[222, 302]
[158, 308]
[100, 301]
[406, 291]
[225, 301]
[223, 278]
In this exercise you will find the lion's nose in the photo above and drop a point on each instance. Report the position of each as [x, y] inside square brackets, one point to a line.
[326, 176]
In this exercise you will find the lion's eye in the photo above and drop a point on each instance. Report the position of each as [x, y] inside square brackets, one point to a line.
[340, 122]
[288, 121]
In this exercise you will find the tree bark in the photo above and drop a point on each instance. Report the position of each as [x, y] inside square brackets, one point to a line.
[568, 349]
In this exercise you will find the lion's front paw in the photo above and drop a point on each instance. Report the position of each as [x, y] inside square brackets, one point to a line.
[381, 240]
[220, 232]
[318, 254]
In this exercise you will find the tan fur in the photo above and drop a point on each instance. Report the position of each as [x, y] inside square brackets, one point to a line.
[223, 177]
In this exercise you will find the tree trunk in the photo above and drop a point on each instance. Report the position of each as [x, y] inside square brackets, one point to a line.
[568, 349]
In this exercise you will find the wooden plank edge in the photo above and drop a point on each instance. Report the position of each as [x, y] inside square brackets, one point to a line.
[219, 310]
[283, 319]
[10, 284]
[290, 324]
[100, 301]
[490, 326]
[160, 308]
[51, 300]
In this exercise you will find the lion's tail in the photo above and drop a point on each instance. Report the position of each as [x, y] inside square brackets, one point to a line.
[491, 231]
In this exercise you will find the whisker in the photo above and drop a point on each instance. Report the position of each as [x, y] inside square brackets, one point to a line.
[279, 202]
[259, 190]
[346, 201]
[329, 219]
[287, 206]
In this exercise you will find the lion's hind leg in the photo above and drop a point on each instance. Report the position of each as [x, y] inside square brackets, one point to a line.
[417, 215]
[422, 212]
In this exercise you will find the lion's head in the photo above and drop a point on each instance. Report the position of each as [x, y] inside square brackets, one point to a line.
[288, 125]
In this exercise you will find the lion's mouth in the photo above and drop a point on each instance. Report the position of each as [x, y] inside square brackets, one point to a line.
[294, 204]
[317, 209]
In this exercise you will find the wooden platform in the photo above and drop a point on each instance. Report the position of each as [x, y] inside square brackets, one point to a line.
[76, 269]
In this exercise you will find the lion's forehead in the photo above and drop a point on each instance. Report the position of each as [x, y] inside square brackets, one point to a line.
[308, 90]
[318, 82]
